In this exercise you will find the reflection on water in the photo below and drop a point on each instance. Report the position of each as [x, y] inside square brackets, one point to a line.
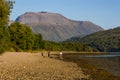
[110, 62]
[112, 54]
[100, 56]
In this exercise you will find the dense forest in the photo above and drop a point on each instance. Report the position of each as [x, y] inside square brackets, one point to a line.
[108, 40]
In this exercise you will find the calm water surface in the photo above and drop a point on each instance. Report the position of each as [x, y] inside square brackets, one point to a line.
[109, 62]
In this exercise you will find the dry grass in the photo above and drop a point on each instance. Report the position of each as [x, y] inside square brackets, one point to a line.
[32, 66]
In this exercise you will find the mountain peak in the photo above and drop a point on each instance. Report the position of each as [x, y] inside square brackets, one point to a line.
[40, 17]
[55, 27]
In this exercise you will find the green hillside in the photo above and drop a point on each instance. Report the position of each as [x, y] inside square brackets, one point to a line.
[104, 40]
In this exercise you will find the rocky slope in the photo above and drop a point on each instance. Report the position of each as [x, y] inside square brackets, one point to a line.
[55, 27]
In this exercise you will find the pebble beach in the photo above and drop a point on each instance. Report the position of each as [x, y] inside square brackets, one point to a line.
[33, 66]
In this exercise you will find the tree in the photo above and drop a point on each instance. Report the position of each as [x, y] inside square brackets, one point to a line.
[10, 4]
[4, 18]
[38, 44]
[22, 36]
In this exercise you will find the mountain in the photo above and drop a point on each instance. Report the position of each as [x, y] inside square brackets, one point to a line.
[75, 38]
[55, 27]
[108, 40]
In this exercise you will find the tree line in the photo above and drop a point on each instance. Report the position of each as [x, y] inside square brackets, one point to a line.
[22, 38]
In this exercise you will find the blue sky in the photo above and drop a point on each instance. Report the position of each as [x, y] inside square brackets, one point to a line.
[105, 13]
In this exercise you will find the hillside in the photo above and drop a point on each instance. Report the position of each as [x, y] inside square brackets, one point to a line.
[103, 41]
[55, 27]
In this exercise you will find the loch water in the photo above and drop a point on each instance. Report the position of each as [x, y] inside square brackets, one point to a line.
[109, 62]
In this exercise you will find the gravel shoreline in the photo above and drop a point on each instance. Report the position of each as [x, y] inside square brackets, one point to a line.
[32, 66]
[94, 72]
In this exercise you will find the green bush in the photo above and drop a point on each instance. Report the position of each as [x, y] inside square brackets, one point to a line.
[22, 37]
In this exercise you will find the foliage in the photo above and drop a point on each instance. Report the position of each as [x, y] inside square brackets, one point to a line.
[66, 46]
[4, 18]
[22, 36]
[104, 41]
[4, 39]
[38, 42]
[53, 46]
[9, 4]
[73, 46]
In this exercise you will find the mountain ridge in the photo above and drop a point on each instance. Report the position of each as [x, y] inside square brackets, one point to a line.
[55, 27]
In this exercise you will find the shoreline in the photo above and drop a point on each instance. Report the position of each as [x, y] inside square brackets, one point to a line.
[33, 66]
[79, 68]
[95, 72]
